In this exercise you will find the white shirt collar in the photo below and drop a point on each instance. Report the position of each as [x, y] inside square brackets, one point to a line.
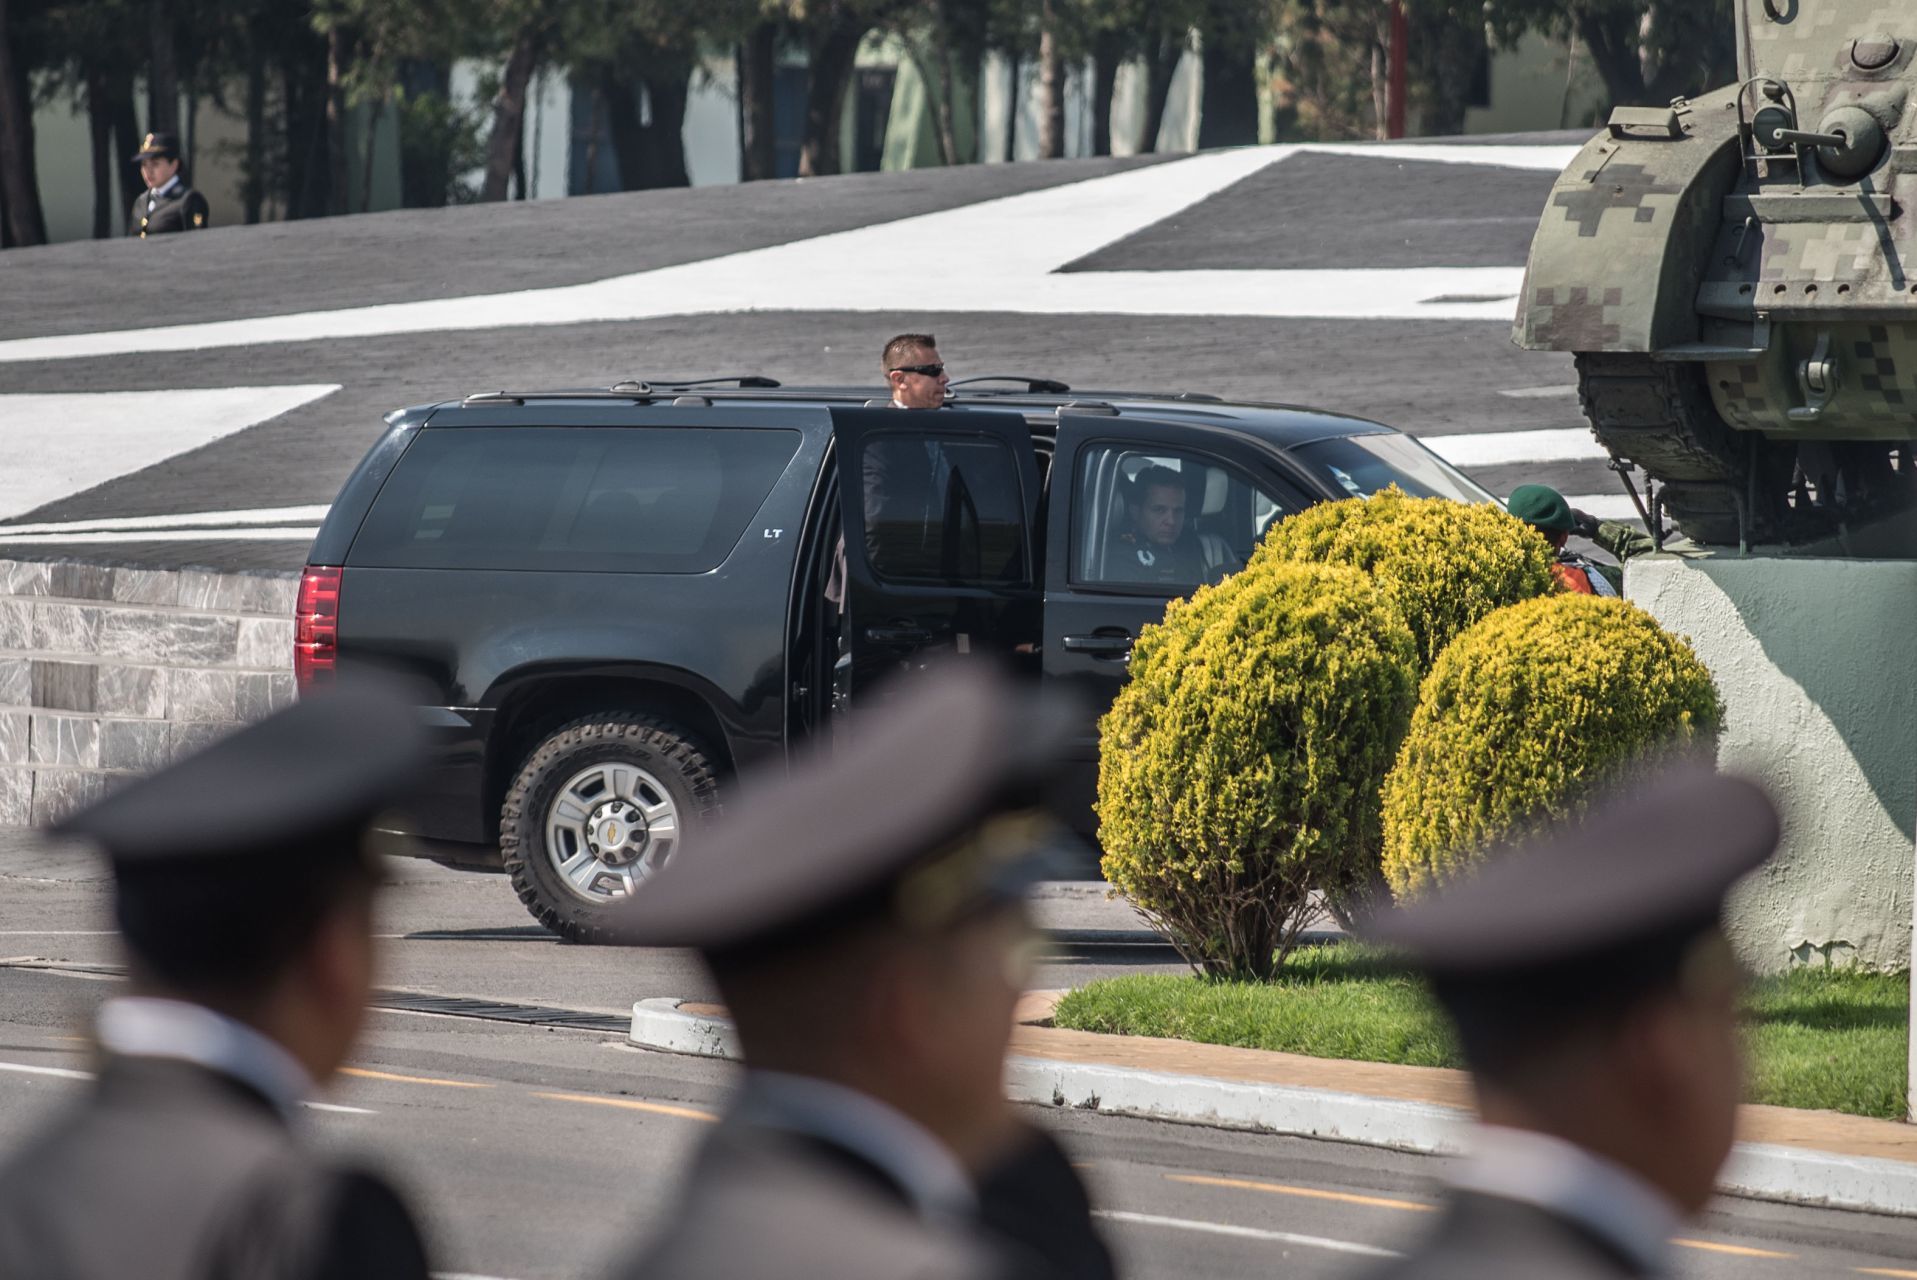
[1565, 1179]
[149, 1027]
[154, 193]
[928, 1171]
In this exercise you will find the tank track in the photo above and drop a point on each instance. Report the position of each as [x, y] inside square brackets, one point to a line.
[1659, 416]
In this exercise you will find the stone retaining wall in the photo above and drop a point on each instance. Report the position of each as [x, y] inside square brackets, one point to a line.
[108, 673]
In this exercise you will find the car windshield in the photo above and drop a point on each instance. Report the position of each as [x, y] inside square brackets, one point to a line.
[1362, 465]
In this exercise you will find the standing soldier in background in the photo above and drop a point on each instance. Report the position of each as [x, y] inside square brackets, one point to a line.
[244, 893]
[864, 920]
[167, 204]
[1595, 999]
[1544, 509]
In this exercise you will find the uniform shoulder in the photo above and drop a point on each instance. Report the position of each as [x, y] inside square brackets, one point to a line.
[306, 1220]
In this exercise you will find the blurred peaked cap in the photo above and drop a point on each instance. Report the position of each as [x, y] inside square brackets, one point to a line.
[158, 143]
[1542, 506]
[942, 777]
[1642, 863]
[327, 763]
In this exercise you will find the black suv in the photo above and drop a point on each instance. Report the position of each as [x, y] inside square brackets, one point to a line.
[621, 598]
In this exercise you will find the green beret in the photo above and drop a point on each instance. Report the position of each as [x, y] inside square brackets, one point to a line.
[1542, 507]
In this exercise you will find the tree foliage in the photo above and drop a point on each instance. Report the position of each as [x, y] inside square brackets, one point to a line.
[1239, 766]
[1528, 715]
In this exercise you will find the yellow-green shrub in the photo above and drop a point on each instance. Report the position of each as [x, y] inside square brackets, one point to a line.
[1528, 714]
[1239, 766]
[1443, 564]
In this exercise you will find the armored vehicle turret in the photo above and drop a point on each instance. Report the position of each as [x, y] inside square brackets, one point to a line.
[1737, 276]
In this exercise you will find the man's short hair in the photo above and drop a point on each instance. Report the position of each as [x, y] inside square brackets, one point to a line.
[1155, 477]
[900, 348]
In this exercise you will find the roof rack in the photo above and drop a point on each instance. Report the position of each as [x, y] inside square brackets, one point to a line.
[737, 380]
[618, 391]
[1033, 383]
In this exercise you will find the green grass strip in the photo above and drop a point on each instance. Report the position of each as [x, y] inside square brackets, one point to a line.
[1831, 1039]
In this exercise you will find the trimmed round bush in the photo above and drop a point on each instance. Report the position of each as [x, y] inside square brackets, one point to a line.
[1525, 717]
[1443, 564]
[1239, 766]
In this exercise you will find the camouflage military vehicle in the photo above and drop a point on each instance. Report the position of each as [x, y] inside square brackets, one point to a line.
[1737, 275]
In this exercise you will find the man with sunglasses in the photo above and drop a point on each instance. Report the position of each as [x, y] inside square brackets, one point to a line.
[914, 371]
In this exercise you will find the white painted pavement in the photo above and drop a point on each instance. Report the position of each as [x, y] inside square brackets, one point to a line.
[999, 255]
[60, 444]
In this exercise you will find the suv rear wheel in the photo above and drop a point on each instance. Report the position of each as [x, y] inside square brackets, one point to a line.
[595, 810]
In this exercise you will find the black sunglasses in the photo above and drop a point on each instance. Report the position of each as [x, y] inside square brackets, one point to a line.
[923, 370]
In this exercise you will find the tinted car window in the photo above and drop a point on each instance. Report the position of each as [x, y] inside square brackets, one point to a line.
[1147, 516]
[636, 500]
[947, 510]
[1362, 465]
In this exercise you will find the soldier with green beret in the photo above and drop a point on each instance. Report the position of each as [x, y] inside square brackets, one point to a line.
[1544, 509]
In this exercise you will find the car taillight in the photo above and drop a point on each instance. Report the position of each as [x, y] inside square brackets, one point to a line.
[316, 626]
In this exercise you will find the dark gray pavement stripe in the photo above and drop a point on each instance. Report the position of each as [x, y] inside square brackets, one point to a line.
[282, 268]
[1320, 210]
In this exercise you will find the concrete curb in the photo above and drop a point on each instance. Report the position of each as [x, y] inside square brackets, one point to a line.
[1757, 1171]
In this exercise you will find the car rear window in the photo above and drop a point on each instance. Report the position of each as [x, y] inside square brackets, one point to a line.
[639, 500]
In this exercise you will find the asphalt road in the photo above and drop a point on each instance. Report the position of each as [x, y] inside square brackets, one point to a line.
[1429, 376]
[542, 1152]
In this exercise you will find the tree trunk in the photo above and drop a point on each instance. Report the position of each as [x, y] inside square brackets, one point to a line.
[666, 135]
[829, 74]
[19, 192]
[1051, 92]
[425, 162]
[125, 123]
[100, 136]
[1161, 64]
[1105, 59]
[1612, 39]
[373, 118]
[1445, 54]
[253, 185]
[338, 195]
[1228, 111]
[163, 71]
[1380, 92]
[509, 110]
[946, 92]
[758, 137]
[1013, 101]
[622, 118]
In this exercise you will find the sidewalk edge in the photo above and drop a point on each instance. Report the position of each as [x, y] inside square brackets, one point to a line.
[1757, 1171]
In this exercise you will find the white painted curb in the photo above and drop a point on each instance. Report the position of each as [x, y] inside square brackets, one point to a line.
[1757, 1171]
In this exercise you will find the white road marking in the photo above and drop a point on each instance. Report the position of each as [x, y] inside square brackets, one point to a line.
[1496, 448]
[62, 1073]
[1247, 1233]
[59, 444]
[1000, 255]
[67, 1073]
[163, 535]
[1540, 393]
[192, 519]
[463, 1275]
[59, 933]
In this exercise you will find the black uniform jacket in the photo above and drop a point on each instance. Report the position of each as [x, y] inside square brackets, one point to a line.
[170, 1171]
[766, 1204]
[181, 209]
[1480, 1237]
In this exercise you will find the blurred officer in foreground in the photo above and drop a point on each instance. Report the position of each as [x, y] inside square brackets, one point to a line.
[167, 204]
[1595, 998]
[244, 896]
[864, 921]
[1544, 509]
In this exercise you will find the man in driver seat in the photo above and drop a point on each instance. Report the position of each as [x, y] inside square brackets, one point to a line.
[1157, 544]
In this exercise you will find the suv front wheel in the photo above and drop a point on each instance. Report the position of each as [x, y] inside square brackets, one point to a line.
[598, 806]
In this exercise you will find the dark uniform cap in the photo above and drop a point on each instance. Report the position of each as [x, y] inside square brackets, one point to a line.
[1642, 864]
[326, 763]
[158, 143]
[932, 806]
[1541, 506]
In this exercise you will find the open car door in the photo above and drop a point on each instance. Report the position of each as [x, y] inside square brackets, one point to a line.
[940, 516]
